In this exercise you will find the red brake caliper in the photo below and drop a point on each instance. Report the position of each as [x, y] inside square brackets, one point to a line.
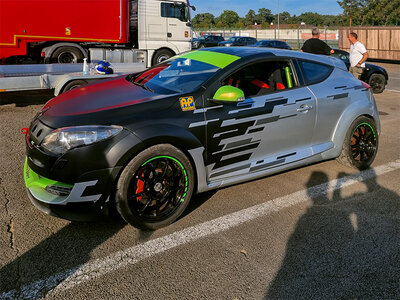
[139, 185]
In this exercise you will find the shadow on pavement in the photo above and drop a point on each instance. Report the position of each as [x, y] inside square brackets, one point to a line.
[343, 248]
[66, 249]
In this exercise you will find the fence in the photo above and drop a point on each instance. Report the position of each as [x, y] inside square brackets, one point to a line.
[294, 37]
[381, 42]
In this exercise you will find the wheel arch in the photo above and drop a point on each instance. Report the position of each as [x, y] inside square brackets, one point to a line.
[163, 134]
[50, 50]
[160, 49]
[347, 118]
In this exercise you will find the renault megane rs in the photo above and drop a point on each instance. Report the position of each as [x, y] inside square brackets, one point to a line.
[146, 142]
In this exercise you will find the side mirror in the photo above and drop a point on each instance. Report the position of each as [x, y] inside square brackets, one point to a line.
[228, 94]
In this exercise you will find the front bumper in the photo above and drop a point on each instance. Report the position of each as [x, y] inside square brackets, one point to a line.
[64, 200]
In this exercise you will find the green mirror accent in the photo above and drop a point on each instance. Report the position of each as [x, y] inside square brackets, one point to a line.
[229, 93]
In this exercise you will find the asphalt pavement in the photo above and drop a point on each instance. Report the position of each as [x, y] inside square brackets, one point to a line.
[324, 231]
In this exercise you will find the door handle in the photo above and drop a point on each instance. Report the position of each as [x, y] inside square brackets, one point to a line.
[304, 108]
[169, 34]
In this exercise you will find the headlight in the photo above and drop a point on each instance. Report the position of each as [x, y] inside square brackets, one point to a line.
[228, 45]
[61, 140]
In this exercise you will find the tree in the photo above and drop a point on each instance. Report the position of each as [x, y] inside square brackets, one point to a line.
[250, 18]
[284, 18]
[219, 25]
[239, 24]
[205, 20]
[229, 18]
[264, 15]
[370, 12]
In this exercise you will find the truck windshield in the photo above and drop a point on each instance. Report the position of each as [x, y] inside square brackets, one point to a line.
[178, 75]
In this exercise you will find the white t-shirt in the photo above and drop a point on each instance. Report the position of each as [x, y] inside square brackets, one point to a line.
[356, 53]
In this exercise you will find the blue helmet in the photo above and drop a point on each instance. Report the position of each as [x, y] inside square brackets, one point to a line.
[104, 67]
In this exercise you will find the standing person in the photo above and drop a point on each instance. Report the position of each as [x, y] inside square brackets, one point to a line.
[315, 45]
[358, 55]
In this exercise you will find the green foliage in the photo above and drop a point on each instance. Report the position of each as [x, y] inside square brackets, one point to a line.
[371, 12]
[250, 18]
[205, 20]
[362, 12]
[229, 18]
[240, 24]
[265, 25]
[264, 15]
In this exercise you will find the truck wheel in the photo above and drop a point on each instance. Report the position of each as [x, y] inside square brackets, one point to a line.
[155, 187]
[73, 85]
[360, 144]
[377, 83]
[66, 55]
[160, 56]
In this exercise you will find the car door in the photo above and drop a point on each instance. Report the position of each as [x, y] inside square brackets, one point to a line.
[213, 42]
[241, 42]
[333, 94]
[250, 41]
[265, 130]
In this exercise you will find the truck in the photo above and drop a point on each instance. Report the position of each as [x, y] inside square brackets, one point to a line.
[66, 31]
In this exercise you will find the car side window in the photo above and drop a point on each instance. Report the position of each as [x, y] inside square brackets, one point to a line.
[314, 72]
[262, 78]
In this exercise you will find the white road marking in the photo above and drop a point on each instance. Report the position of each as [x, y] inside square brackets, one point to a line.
[392, 90]
[70, 278]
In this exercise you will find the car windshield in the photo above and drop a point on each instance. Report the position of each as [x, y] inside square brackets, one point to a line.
[176, 75]
[232, 39]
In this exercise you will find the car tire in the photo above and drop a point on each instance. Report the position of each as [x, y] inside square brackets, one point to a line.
[360, 145]
[73, 85]
[155, 187]
[66, 55]
[160, 56]
[377, 83]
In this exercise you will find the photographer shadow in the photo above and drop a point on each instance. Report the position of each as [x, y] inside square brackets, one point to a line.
[344, 247]
[56, 257]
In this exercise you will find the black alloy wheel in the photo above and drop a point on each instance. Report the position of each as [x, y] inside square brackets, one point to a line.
[363, 143]
[360, 145]
[377, 83]
[155, 187]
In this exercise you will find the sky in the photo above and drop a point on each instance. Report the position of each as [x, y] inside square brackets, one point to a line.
[294, 7]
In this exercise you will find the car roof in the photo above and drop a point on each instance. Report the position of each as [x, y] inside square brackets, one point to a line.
[244, 52]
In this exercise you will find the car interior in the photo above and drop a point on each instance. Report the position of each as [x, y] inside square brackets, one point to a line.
[262, 78]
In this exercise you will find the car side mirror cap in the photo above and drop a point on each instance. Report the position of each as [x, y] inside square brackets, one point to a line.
[228, 94]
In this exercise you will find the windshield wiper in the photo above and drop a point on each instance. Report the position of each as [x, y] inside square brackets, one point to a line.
[142, 86]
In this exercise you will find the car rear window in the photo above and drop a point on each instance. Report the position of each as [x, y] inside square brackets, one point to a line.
[314, 72]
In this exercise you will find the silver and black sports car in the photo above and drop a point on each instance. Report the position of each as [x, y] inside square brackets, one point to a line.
[146, 142]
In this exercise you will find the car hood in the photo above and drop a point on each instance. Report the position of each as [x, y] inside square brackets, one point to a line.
[98, 102]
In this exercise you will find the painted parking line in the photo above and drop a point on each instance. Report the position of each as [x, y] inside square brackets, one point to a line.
[396, 91]
[71, 278]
